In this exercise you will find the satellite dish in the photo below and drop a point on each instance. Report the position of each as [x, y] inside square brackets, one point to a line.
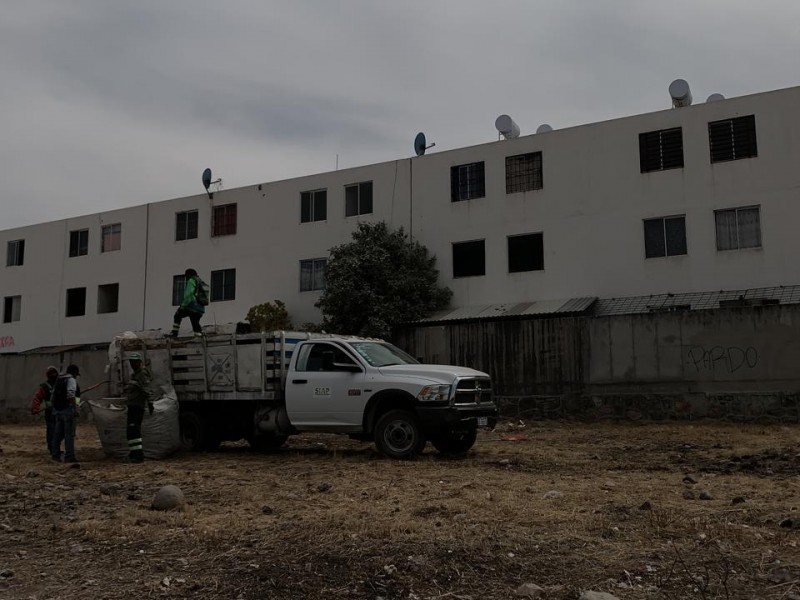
[420, 144]
[681, 95]
[207, 182]
[506, 126]
[543, 128]
[715, 98]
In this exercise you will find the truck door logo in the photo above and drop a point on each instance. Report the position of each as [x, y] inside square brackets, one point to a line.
[322, 391]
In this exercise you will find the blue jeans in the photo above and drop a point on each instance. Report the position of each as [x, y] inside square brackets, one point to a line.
[65, 430]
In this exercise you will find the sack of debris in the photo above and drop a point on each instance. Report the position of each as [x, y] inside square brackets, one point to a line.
[161, 434]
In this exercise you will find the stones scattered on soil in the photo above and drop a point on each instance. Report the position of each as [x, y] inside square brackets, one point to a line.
[32, 474]
[160, 471]
[167, 498]
[529, 590]
[597, 596]
[6, 574]
[790, 523]
[646, 505]
[688, 494]
[706, 495]
[738, 500]
[553, 495]
[689, 479]
[267, 510]
[324, 487]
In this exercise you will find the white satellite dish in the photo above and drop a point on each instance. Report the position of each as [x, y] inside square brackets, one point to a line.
[681, 95]
[506, 126]
[715, 98]
[543, 128]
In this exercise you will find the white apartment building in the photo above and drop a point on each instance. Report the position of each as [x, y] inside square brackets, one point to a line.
[692, 199]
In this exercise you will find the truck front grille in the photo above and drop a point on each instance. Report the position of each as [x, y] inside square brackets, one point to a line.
[475, 390]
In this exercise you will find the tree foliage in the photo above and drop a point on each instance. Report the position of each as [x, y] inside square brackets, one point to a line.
[268, 316]
[379, 279]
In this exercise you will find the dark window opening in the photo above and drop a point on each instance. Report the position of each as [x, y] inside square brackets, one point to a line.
[732, 139]
[186, 225]
[111, 240]
[223, 285]
[224, 220]
[15, 255]
[312, 274]
[525, 252]
[76, 302]
[313, 206]
[469, 259]
[467, 182]
[738, 228]
[107, 298]
[358, 199]
[12, 308]
[661, 150]
[665, 236]
[78, 243]
[524, 172]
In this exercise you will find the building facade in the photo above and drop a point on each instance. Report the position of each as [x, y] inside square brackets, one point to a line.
[692, 199]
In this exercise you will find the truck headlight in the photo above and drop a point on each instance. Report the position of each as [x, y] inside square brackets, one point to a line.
[434, 393]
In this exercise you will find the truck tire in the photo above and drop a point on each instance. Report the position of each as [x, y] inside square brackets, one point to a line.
[398, 435]
[267, 442]
[455, 443]
[192, 431]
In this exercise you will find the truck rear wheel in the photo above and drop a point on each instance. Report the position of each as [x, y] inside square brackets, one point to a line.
[455, 443]
[399, 435]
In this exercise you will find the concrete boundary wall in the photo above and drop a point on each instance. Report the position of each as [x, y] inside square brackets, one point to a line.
[739, 363]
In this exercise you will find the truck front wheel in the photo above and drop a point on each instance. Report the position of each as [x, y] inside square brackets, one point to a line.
[398, 435]
[455, 443]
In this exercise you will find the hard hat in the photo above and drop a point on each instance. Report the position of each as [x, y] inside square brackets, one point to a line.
[134, 356]
[51, 369]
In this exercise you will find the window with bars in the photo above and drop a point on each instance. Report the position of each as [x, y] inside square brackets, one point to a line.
[738, 228]
[525, 252]
[524, 172]
[12, 309]
[186, 225]
[223, 285]
[111, 239]
[224, 220]
[313, 206]
[78, 243]
[732, 139]
[469, 259]
[76, 302]
[467, 182]
[665, 236]
[312, 274]
[661, 150]
[178, 287]
[15, 253]
[358, 199]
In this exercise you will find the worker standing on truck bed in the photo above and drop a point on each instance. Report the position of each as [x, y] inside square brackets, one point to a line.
[193, 304]
[140, 395]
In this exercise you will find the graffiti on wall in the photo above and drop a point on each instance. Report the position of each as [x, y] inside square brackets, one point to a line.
[722, 359]
[6, 341]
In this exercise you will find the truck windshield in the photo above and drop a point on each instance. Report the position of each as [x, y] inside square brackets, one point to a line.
[379, 354]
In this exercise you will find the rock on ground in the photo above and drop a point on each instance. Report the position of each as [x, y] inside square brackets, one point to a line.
[530, 590]
[167, 498]
[597, 596]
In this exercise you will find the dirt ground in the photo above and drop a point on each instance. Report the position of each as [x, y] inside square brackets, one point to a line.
[567, 506]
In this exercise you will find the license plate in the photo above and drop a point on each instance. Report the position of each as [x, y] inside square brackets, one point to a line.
[483, 421]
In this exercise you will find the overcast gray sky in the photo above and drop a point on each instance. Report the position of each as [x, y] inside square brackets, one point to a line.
[113, 104]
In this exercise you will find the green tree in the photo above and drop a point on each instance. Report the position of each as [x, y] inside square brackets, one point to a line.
[268, 316]
[379, 279]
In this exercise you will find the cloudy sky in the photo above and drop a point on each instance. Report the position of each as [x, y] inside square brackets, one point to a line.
[112, 104]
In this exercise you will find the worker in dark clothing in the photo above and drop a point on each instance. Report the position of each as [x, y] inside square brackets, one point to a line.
[42, 400]
[65, 409]
[139, 397]
[193, 304]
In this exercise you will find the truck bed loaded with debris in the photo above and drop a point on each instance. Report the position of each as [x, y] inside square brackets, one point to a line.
[266, 387]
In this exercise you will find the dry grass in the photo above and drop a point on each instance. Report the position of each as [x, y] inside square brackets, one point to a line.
[328, 518]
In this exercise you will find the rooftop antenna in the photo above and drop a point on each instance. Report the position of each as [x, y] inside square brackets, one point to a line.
[208, 183]
[421, 145]
[681, 95]
[507, 127]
